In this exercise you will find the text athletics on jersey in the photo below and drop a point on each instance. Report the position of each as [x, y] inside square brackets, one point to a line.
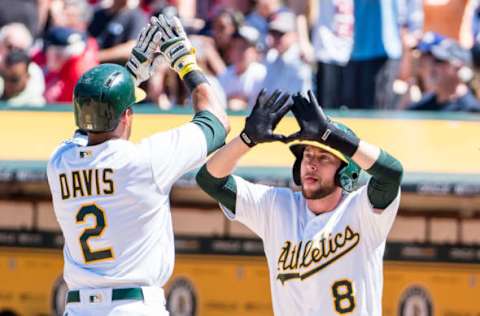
[305, 259]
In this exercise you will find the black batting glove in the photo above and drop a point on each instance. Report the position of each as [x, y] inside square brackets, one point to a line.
[310, 117]
[316, 126]
[265, 116]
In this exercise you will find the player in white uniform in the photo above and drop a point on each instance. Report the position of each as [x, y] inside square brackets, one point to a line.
[111, 196]
[324, 245]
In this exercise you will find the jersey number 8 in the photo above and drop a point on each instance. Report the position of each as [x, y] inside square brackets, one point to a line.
[344, 300]
[91, 232]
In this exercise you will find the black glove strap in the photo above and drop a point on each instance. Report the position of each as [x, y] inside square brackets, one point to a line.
[247, 140]
[346, 143]
[193, 79]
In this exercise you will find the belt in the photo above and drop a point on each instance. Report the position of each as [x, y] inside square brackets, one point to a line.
[134, 293]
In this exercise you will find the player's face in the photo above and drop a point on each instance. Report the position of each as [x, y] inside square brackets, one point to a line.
[317, 173]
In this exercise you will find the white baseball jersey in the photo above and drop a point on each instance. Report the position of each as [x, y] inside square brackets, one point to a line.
[327, 264]
[112, 203]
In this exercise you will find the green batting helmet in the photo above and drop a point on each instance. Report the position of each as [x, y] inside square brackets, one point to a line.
[101, 95]
[348, 173]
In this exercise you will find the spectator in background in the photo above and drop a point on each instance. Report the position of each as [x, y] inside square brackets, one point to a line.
[421, 80]
[225, 23]
[210, 61]
[332, 37]
[18, 88]
[75, 15]
[411, 33]
[450, 71]
[377, 48]
[475, 23]
[243, 80]
[66, 62]
[165, 87]
[265, 10]
[259, 18]
[451, 18]
[25, 12]
[116, 29]
[285, 68]
[248, 9]
[16, 36]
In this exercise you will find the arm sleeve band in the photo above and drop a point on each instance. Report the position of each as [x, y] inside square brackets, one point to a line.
[387, 175]
[212, 128]
[193, 78]
[223, 190]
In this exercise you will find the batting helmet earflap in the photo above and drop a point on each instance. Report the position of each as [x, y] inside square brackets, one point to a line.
[101, 95]
[346, 176]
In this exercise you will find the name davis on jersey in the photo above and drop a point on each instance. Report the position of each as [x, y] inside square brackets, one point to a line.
[299, 261]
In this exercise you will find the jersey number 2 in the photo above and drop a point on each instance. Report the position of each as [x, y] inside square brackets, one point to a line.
[342, 292]
[95, 231]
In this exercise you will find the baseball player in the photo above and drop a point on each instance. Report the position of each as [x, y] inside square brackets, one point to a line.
[324, 245]
[111, 196]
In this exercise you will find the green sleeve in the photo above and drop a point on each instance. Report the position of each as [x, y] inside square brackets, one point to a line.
[387, 175]
[223, 190]
[212, 128]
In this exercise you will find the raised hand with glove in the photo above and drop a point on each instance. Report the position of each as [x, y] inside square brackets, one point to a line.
[178, 51]
[265, 116]
[316, 126]
[141, 62]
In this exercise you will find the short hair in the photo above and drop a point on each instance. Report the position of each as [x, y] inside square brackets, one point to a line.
[17, 56]
[236, 17]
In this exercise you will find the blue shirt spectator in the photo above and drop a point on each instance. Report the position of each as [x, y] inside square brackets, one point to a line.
[285, 68]
[430, 102]
[378, 24]
[450, 70]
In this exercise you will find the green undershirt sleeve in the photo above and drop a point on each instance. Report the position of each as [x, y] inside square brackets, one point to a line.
[387, 175]
[212, 128]
[223, 190]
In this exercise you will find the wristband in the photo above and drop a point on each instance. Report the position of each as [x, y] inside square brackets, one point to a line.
[193, 79]
[345, 143]
[247, 140]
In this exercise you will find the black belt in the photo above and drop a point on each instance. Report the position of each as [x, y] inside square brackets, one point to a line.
[134, 293]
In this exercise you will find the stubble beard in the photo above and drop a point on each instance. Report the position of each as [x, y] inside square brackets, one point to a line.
[322, 191]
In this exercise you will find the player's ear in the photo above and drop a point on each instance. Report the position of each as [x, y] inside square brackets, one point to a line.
[127, 114]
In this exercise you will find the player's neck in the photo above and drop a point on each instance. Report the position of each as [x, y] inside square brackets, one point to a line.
[121, 132]
[98, 138]
[325, 204]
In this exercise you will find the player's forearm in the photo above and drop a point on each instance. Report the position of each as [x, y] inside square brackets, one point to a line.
[223, 190]
[215, 176]
[378, 163]
[224, 161]
[366, 154]
[386, 171]
[204, 99]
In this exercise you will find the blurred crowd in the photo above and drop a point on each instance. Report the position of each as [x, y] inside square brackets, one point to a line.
[356, 54]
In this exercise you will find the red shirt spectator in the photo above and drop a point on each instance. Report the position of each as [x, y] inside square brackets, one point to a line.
[68, 56]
